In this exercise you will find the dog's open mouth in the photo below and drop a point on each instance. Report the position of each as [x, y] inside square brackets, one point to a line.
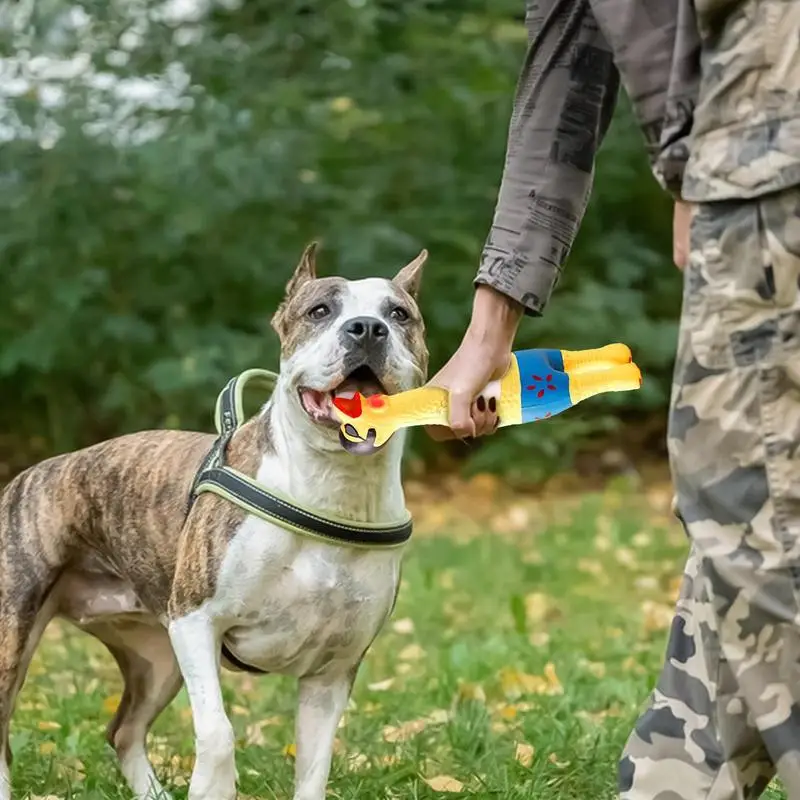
[319, 404]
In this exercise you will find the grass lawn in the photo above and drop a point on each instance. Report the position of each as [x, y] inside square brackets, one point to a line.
[527, 635]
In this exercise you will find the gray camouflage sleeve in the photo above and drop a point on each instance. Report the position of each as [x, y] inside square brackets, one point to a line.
[564, 102]
[563, 106]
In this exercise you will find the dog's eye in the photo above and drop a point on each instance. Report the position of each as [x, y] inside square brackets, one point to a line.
[320, 311]
[400, 314]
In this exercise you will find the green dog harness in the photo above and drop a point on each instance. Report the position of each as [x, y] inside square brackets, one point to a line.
[216, 477]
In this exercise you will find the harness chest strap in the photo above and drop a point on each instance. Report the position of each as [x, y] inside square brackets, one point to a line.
[214, 476]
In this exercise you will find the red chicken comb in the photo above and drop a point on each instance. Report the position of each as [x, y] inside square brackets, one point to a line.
[349, 405]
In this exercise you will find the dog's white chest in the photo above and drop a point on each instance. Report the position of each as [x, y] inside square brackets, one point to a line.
[295, 605]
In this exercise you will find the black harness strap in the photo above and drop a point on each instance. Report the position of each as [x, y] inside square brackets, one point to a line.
[251, 496]
[214, 476]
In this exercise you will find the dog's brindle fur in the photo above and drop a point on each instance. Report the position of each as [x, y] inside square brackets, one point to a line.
[101, 537]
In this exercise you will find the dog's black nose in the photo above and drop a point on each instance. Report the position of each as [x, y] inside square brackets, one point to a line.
[366, 330]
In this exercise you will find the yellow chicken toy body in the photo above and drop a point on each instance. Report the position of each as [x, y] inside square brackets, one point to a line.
[539, 384]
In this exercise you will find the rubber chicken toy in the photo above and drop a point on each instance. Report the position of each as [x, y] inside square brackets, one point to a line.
[538, 385]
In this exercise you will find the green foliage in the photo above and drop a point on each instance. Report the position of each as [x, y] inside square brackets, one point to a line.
[145, 245]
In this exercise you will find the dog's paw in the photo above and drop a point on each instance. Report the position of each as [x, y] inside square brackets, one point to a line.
[218, 787]
[214, 776]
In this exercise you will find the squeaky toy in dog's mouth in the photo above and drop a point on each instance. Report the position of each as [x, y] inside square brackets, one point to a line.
[319, 405]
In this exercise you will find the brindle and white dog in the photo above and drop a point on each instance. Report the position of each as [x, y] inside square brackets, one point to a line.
[101, 537]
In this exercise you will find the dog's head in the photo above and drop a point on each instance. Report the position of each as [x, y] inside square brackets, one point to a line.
[340, 336]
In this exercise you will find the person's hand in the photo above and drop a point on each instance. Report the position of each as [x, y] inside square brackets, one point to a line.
[681, 225]
[483, 355]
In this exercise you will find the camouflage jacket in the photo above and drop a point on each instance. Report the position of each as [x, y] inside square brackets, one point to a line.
[712, 82]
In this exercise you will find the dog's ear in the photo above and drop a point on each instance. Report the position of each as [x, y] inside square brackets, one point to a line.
[304, 272]
[410, 277]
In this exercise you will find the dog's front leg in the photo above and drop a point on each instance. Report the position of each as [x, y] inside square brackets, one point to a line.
[197, 645]
[322, 701]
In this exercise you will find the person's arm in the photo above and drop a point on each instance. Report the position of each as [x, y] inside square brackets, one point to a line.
[563, 106]
[564, 103]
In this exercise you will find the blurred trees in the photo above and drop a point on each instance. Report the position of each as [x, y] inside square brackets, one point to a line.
[163, 164]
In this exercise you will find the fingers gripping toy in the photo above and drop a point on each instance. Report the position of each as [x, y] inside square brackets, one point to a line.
[538, 385]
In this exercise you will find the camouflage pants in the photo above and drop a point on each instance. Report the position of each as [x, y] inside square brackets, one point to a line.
[725, 713]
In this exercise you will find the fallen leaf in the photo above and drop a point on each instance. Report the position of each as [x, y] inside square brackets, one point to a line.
[483, 483]
[499, 727]
[596, 668]
[381, 686]
[602, 543]
[641, 539]
[408, 730]
[553, 682]
[539, 638]
[646, 582]
[45, 748]
[411, 652]
[507, 711]
[404, 731]
[29, 706]
[447, 579]
[111, 703]
[438, 716]
[630, 664]
[597, 717]
[518, 518]
[403, 626]
[71, 769]
[254, 734]
[553, 759]
[590, 566]
[471, 691]
[444, 783]
[537, 606]
[524, 753]
[355, 761]
[656, 616]
[515, 683]
[47, 725]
